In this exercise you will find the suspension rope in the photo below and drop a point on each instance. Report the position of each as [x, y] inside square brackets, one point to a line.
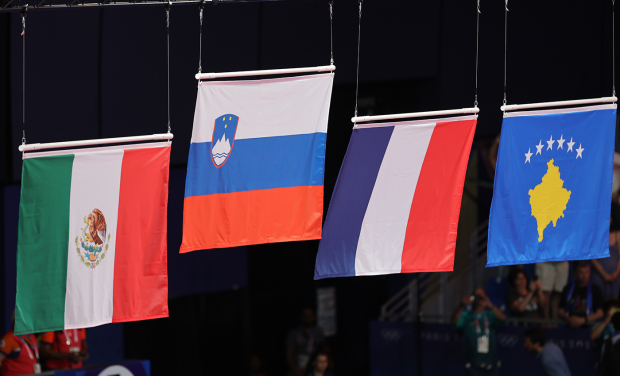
[331, 31]
[613, 46]
[168, 55]
[505, 45]
[477, 35]
[24, 10]
[359, 31]
[202, 5]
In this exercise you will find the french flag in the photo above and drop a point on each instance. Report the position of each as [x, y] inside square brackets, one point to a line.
[396, 204]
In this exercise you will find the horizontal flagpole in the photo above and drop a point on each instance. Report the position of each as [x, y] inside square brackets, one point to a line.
[209, 76]
[360, 119]
[514, 107]
[101, 141]
[15, 6]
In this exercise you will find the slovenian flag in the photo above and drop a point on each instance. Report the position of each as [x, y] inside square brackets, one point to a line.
[396, 204]
[256, 162]
[92, 237]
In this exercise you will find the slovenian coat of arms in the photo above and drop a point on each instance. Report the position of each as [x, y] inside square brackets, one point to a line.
[223, 139]
[94, 241]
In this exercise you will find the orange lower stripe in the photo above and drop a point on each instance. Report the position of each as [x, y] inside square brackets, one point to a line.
[252, 217]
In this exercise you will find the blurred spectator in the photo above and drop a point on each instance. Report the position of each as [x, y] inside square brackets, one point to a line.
[581, 302]
[255, 366]
[550, 356]
[302, 342]
[523, 302]
[318, 365]
[64, 349]
[610, 353]
[19, 355]
[615, 187]
[602, 331]
[606, 270]
[478, 325]
[553, 277]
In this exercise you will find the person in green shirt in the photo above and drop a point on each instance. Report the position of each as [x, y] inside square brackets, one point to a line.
[478, 326]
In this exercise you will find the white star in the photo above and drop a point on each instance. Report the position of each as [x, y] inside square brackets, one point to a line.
[570, 145]
[528, 155]
[561, 142]
[579, 151]
[550, 143]
[539, 147]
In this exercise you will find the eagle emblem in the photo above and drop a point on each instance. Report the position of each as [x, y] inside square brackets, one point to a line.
[94, 242]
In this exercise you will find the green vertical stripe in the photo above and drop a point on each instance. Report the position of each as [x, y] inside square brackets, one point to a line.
[43, 244]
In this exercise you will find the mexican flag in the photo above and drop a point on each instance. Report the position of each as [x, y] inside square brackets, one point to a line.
[92, 237]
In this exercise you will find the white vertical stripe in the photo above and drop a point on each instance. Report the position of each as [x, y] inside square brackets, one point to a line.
[95, 184]
[380, 245]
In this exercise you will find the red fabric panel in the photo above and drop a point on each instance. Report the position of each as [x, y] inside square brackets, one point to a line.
[58, 342]
[141, 265]
[430, 239]
[252, 217]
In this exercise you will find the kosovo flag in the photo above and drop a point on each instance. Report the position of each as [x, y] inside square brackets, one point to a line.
[552, 192]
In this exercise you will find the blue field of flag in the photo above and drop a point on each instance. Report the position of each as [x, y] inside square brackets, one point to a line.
[552, 192]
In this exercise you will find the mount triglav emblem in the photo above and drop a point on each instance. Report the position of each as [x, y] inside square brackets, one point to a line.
[94, 241]
[223, 139]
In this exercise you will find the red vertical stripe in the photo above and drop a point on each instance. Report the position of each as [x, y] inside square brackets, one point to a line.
[430, 239]
[140, 265]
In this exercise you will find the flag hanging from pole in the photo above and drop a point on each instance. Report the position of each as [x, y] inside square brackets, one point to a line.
[396, 204]
[256, 162]
[552, 191]
[92, 237]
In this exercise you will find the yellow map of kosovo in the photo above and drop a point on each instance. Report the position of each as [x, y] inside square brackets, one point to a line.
[548, 199]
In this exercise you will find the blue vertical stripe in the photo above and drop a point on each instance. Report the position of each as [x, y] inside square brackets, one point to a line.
[356, 180]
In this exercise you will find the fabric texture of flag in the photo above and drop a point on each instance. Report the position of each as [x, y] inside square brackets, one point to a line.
[92, 237]
[396, 204]
[256, 162]
[552, 191]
